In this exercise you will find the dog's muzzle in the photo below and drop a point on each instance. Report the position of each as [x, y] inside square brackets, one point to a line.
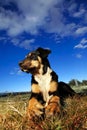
[20, 64]
[23, 68]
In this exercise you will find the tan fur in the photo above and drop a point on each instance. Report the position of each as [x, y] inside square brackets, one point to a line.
[53, 86]
[36, 63]
[53, 106]
[35, 88]
[34, 108]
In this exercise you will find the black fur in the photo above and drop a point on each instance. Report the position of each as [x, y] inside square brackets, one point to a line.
[54, 76]
[46, 64]
[65, 90]
[38, 96]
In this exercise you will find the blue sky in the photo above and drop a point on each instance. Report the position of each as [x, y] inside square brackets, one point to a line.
[60, 25]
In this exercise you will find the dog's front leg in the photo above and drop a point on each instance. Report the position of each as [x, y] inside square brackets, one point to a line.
[35, 108]
[53, 106]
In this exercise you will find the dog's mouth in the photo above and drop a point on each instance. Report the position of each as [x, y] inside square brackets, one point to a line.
[23, 67]
[25, 70]
[30, 70]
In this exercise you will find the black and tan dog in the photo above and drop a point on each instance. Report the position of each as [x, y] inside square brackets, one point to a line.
[47, 93]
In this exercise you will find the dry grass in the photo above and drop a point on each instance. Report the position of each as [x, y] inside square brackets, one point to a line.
[13, 115]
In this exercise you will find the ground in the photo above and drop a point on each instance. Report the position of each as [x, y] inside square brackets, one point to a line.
[13, 115]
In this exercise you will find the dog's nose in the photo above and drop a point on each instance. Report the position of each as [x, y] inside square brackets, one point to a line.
[20, 63]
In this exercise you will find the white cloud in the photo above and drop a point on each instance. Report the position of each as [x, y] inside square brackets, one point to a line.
[16, 71]
[23, 43]
[80, 13]
[11, 73]
[19, 72]
[18, 41]
[71, 7]
[29, 20]
[82, 44]
[79, 56]
[35, 15]
[2, 38]
[31, 16]
[81, 30]
[57, 38]
[27, 44]
[83, 41]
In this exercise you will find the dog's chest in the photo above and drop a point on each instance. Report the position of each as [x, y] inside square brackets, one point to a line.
[44, 83]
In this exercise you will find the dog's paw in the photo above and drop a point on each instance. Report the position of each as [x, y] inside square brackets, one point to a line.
[36, 113]
[35, 109]
[53, 106]
[52, 109]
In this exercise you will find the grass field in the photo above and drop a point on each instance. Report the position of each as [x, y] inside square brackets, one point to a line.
[80, 89]
[13, 115]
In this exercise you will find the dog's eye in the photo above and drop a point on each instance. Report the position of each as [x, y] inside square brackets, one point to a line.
[33, 57]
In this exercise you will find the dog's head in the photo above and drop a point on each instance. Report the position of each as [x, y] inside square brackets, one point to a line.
[32, 62]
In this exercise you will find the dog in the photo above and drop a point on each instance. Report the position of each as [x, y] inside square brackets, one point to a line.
[47, 93]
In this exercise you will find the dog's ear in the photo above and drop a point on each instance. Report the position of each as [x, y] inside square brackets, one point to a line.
[43, 52]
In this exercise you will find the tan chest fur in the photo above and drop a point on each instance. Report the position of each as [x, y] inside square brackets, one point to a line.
[44, 84]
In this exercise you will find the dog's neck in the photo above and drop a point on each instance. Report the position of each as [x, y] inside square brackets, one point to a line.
[44, 82]
[45, 64]
[41, 71]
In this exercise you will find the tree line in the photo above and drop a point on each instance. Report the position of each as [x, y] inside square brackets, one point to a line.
[75, 82]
